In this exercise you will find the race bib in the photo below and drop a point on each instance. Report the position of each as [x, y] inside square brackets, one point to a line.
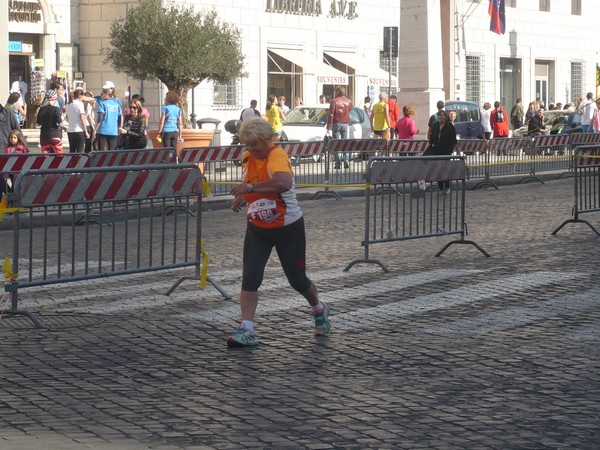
[263, 210]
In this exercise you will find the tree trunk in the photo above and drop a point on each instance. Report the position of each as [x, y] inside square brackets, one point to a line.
[185, 118]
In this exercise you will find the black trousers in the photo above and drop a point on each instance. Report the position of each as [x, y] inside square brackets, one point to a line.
[76, 142]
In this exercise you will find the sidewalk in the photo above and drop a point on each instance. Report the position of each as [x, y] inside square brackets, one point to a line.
[460, 351]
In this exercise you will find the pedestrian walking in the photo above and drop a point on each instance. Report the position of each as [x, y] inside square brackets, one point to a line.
[275, 115]
[49, 117]
[380, 118]
[134, 126]
[441, 142]
[499, 121]
[109, 120]
[169, 126]
[274, 219]
[77, 132]
[338, 122]
[517, 114]
[406, 127]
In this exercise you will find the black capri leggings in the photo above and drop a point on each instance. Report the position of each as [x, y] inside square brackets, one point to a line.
[170, 139]
[290, 244]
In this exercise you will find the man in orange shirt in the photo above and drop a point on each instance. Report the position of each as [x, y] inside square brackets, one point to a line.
[394, 115]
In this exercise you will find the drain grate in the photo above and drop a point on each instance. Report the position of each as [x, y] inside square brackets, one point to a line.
[51, 321]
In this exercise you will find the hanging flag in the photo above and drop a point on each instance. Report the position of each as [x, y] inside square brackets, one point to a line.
[497, 18]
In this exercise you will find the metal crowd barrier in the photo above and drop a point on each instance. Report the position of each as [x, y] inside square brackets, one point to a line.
[580, 139]
[548, 153]
[221, 165]
[308, 159]
[138, 157]
[315, 163]
[64, 252]
[17, 163]
[397, 208]
[406, 147]
[586, 163]
[358, 152]
[476, 157]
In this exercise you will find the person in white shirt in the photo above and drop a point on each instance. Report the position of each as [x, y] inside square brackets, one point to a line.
[485, 120]
[250, 112]
[282, 105]
[587, 112]
[77, 131]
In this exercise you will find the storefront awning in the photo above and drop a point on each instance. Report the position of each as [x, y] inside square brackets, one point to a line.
[324, 73]
[374, 74]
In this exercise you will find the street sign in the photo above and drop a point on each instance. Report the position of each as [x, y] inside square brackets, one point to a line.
[390, 41]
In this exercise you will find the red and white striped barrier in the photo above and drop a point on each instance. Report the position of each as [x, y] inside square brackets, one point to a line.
[415, 169]
[577, 139]
[468, 146]
[104, 184]
[122, 158]
[508, 144]
[357, 145]
[588, 156]
[303, 149]
[20, 163]
[211, 154]
[552, 140]
[407, 146]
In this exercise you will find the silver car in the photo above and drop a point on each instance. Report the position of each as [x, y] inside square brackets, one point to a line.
[307, 123]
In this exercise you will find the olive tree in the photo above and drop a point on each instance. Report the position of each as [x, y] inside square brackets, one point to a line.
[176, 44]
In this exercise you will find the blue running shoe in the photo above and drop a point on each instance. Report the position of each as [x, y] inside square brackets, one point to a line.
[322, 324]
[243, 338]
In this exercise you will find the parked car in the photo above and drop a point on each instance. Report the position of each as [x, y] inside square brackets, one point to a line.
[557, 122]
[307, 123]
[468, 119]
[568, 122]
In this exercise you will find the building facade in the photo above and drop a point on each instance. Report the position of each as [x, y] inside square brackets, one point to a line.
[303, 48]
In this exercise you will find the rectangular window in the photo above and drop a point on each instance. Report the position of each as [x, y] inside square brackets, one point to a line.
[226, 95]
[474, 79]
[577, 81]
[545, 5]
[576, 7]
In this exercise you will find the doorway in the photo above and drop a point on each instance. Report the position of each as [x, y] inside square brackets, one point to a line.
[510, 81]
[19, 70]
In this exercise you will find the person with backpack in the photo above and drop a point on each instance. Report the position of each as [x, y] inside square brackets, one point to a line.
[499, 121]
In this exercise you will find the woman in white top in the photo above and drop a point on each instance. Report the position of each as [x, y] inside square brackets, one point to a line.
[77, 131]
[485, 120]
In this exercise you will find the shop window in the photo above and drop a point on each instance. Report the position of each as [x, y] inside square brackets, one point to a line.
[226, 95]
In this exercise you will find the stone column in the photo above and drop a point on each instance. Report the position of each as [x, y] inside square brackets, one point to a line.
[421, 66]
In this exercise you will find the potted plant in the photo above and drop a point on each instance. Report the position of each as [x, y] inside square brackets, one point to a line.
[179, 46]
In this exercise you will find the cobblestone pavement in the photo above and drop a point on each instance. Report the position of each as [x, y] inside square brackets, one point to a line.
[459, 351]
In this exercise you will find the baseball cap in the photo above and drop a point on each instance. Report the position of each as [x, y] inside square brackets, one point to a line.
[108, 85]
